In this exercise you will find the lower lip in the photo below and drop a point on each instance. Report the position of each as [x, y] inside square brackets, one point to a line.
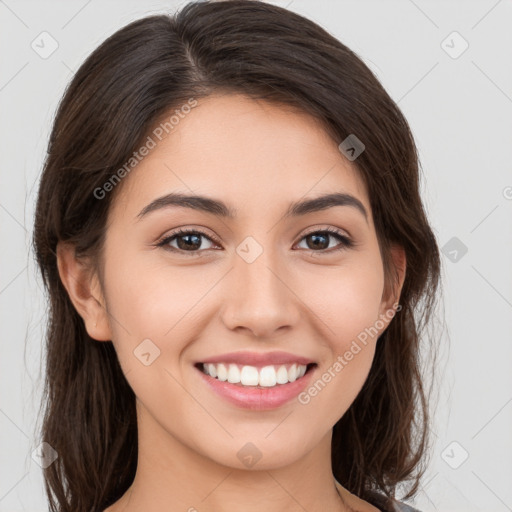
[258, 399]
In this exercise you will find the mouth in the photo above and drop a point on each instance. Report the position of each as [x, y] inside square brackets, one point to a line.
[259, 377]
[257, 381]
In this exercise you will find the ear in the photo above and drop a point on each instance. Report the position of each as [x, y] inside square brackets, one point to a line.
[392, 290]
[84, 290]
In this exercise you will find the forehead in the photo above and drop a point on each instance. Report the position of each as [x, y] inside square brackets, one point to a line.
[250, 152]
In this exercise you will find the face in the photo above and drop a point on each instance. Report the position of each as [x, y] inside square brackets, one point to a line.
[263, 294]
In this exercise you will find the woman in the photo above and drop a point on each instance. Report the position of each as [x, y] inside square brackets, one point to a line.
[239, 265]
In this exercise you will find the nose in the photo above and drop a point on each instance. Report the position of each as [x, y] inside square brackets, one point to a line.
[260, 300]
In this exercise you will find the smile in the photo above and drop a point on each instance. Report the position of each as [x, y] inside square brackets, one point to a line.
[257, 381]
[246, 375]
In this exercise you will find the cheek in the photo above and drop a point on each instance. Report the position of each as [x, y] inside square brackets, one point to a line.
[348, 304]
[150, 299]
[347, 300]
[155, 302]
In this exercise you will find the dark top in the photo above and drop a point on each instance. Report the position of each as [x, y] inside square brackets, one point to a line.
[385, 504]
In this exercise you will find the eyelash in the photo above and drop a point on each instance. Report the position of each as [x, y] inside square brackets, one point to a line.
[345, 242]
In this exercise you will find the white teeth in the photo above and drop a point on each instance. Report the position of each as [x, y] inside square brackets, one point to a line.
[292, 373]
[212, 370]
[249, 376]
[282, 375]
[222, 372]
[268, 376]
[233, 374]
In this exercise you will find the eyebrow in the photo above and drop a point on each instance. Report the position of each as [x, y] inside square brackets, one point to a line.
[220, 209]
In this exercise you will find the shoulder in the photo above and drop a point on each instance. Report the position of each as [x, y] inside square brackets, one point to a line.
[388, 504]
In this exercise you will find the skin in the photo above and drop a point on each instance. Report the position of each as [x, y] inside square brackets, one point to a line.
[257, 157]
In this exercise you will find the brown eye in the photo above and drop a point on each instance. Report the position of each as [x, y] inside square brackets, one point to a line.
[186, 240]
[319, 241]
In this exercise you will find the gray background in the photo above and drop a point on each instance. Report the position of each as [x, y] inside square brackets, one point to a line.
[460, 110]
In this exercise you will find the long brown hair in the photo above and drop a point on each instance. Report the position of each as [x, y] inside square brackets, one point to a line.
[124, 87]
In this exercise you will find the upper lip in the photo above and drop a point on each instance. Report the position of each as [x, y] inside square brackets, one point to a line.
[258, 358]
